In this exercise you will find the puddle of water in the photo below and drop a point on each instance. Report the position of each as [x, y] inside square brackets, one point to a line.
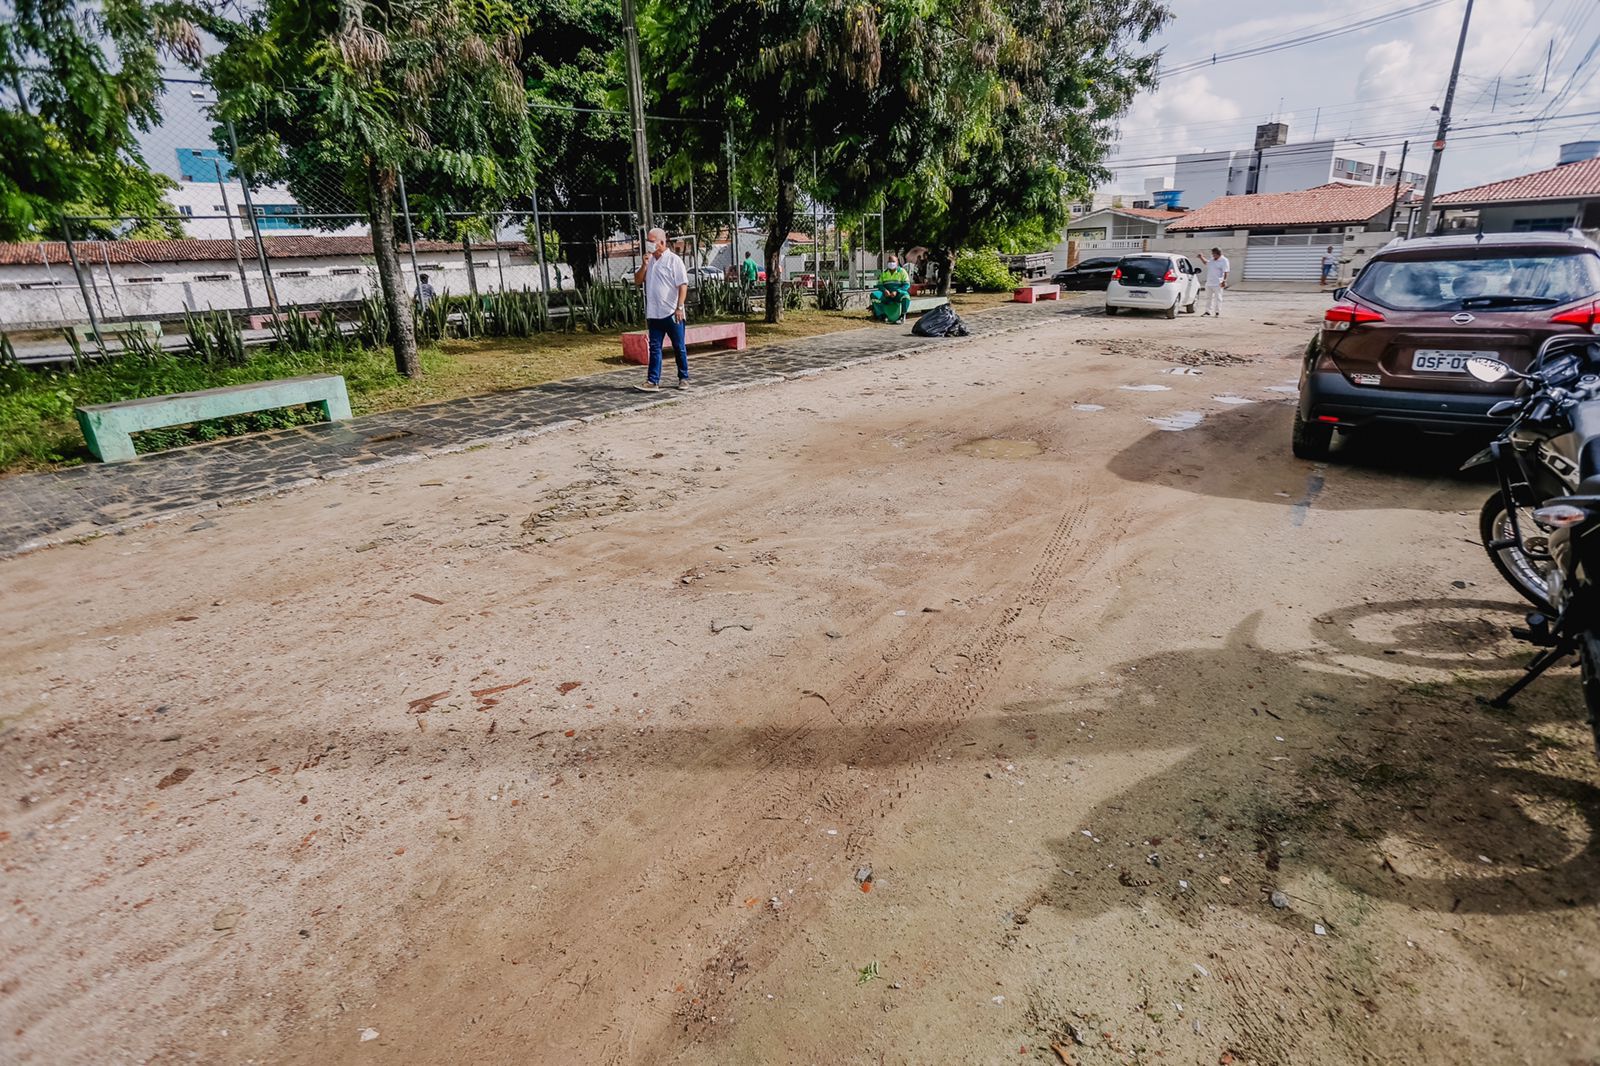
[1178, 422]
[1087, 407]
[1146, 388]
[1000, 448]
[1231, 399]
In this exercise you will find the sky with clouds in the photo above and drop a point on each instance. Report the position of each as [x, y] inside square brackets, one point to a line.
[1527, 63]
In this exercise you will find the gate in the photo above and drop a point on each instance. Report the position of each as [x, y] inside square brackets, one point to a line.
[1287, 257]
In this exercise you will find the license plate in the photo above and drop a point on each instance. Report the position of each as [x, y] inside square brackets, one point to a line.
[1445, 361]
[1138, 292]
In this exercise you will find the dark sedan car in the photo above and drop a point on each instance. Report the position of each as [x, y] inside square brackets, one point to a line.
[1089, 274]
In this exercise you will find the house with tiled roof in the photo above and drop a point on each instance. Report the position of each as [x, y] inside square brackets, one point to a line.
[1329, 208]
[1284, 236]
[1110, 225]
[1563, 197]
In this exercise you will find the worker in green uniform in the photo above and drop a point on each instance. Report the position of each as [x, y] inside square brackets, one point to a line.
[891, 300]
[747, 271]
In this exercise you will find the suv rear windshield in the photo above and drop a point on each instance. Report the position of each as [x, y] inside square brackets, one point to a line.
[1509, 282]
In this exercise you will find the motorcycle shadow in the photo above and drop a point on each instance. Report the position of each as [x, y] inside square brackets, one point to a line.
[1337, 766]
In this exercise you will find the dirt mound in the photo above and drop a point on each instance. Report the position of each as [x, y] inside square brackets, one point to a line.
[1184, 356]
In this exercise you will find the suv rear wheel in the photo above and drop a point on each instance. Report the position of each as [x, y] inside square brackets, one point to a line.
[1311, 440]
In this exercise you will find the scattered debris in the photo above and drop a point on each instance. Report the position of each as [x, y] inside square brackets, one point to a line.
[1319, 929]
[425, 703]
[869, 972]
[567, 686]
[1279, 899]
[368, 1034]
[1061, 1053]
[833, 634]
[732, 623]
[227, 917]
[863, 875]
[176, 777]
[427, 599]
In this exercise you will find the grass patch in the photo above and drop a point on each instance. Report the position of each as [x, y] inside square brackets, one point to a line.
[39, 432]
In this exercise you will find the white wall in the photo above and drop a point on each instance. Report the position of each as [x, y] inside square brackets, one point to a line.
[181, 287]
[1206, 176]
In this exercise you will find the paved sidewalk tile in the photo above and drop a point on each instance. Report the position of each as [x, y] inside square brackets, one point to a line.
[40, 509]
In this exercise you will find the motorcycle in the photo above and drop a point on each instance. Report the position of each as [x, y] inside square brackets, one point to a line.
[1541, 527]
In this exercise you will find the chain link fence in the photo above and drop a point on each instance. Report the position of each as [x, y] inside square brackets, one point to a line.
[253, 251]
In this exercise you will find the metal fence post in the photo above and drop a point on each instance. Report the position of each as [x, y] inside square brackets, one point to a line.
[77, 270]
[255, 224]
[538, 243]
[411, 237]
[499, 253]
[233, 235]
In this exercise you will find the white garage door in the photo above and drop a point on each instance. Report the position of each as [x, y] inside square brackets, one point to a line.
[1291, 257]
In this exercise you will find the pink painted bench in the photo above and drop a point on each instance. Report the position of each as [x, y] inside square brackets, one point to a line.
[730, 335]
[1027, 294]
[266, 321]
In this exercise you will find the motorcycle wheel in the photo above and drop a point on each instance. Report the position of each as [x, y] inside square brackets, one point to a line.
[1589, 660]
[1522, 572]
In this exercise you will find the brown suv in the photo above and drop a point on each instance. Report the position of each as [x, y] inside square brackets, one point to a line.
[1394, 348]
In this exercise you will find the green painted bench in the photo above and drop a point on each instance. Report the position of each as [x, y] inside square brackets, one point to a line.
[109, 427]
[85, 334]
[919, 304]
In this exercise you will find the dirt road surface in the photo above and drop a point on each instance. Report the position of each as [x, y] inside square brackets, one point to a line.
[961, 708]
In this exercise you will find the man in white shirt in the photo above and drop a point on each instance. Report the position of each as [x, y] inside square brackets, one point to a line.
[1216, 280]
[666, 287]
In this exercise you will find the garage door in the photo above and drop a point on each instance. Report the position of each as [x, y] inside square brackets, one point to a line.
[1292, 257]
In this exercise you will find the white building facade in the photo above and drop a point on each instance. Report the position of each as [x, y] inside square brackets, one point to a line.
[1275, 165]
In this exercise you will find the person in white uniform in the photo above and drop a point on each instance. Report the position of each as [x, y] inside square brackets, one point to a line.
[666, 287]
[1217, 268]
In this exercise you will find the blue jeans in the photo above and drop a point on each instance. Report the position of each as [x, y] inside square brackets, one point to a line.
[659, 328]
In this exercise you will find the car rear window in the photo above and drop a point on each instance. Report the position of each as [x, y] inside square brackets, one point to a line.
[1146, 265]
[1483, 283]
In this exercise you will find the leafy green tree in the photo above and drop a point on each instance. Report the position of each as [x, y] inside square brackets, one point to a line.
[71, 114]
[341, 100]
[1043, 110]
[805, 87]
[573, 77]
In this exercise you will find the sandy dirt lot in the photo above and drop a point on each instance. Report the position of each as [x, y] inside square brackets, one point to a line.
[962, 708]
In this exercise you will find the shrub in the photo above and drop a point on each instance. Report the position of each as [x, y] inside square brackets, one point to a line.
[982, 271]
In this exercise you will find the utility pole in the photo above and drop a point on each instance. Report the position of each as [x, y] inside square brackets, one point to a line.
[641, 151]
[1399, 176]
[1444, 122]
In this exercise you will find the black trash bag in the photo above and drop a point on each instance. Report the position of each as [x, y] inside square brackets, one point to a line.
[942, 321]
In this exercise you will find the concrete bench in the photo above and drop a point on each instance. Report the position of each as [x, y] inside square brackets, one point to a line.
[919, 304]
[730, 335]
[268, 321]
[108, 427]
[85, 334]
[1027, 294]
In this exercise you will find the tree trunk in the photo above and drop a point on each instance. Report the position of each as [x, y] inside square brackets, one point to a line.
[780, 222]
[581, 257]
[380, 210]
[946, 258]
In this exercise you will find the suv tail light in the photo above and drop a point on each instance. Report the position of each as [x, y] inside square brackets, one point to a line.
[1343, 316]
[1169, 276]
[1587, 316]
[1116, 275]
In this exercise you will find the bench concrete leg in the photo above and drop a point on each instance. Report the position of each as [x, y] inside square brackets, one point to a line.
[336, 408]
[108, 445]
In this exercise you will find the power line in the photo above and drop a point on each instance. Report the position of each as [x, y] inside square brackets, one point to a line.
[1285, 43]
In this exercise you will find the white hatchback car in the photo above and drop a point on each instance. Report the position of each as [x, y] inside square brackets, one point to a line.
[1154, 281]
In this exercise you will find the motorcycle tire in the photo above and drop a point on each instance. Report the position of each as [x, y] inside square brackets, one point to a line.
[1589, 662]
[1520, 571]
